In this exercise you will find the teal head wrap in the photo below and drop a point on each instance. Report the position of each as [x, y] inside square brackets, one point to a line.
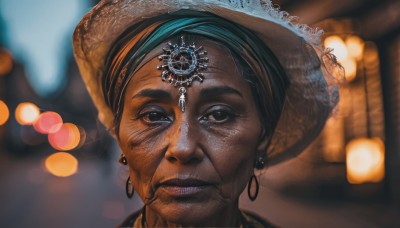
[261, 69]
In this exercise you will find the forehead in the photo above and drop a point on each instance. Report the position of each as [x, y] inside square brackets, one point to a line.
[222, 69]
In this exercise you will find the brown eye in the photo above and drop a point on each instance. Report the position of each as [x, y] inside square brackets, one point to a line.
[218, 116]
[154, 115]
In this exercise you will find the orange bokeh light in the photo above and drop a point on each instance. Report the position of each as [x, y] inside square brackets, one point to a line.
[350, 67]
[27, 113]
[48, 122]
[66, 138]
[61, 164]
[4, 113]
[365, 160]
[355, 46]
[339, 47]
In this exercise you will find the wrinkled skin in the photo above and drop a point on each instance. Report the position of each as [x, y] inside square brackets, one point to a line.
[215, 141]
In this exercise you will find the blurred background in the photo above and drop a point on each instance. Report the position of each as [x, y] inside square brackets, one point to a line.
[58, 166]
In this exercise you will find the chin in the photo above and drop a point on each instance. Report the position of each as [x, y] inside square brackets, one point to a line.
[188, 213]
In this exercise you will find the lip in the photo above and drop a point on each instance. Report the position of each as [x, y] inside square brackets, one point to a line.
[183, 187]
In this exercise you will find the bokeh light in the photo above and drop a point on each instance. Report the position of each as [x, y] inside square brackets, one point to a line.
[355, 46]
[66, 138]
[350, 68]
[4, 113]
[339, 47]
[6, 62]
[48, 122]
[347, 53]
[61, 164]
[365, 160]
[26, 113]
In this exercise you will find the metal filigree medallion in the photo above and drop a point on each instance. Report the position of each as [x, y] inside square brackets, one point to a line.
[182, 64]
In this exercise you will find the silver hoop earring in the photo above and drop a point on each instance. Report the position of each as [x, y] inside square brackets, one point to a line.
[129, 188]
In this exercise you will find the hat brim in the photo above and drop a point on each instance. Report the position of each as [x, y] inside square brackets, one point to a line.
[310, 97]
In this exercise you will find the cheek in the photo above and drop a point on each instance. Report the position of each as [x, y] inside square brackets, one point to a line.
[143, 154]
[232, 152]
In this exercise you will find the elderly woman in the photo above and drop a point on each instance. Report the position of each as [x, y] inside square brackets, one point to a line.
[199, 95]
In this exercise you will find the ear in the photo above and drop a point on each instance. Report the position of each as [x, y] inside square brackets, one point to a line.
[263, 143]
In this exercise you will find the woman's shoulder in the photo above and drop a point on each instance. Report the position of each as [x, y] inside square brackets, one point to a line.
[252, 220]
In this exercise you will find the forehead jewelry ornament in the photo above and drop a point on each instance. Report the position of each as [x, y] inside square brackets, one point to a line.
[181, 65]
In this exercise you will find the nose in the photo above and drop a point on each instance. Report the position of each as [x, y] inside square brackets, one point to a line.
[183, 146]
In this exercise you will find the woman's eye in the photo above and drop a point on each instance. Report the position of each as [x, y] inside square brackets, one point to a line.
[218, 116]
[154, 117]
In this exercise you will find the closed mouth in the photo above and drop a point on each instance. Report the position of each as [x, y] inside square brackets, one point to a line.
[183, 188]
[183, 183]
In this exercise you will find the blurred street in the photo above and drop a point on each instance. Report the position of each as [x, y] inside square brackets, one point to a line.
[32, 197]
[95, 197]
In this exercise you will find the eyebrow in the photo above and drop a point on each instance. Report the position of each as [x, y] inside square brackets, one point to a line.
[218, 91]
[156, 94]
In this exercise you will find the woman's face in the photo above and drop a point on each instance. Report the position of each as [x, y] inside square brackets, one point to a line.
[190, 166]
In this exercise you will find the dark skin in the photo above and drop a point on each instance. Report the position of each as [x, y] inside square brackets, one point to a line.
[190, 168]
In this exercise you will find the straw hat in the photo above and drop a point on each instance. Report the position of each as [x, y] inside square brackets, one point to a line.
[309, 99]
